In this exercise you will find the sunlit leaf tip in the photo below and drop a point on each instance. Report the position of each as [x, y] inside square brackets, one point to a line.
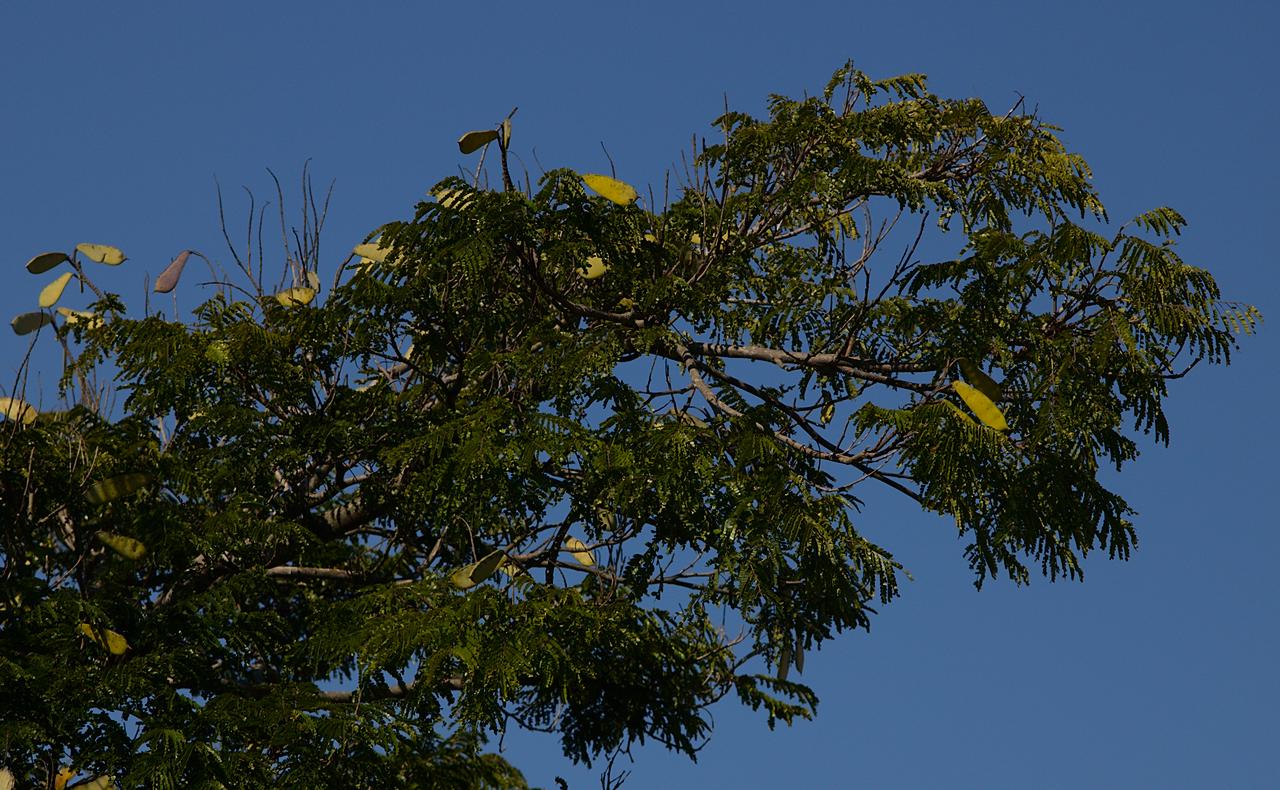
[51, 293]
[129, 548]
[295, 297]
[168, 279]
[612, 189]
[46, 261]
[26, 323]
[473, 141]
[18, 410]
[981, 406]
[102, 253]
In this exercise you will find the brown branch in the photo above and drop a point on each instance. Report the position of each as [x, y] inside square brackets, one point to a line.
[299, 572]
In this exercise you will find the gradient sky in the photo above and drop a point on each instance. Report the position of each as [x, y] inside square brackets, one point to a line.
[1158, 672]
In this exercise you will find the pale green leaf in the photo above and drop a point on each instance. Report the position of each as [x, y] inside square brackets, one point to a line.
[473, 141]
[51, 293]
[102, 253]
[579, 551]
[595, 267]
[111, 488]
[129, 548]
[18, 410]
[294, 297]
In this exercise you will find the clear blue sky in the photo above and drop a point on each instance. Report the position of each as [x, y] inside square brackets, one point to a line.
[1159, 672]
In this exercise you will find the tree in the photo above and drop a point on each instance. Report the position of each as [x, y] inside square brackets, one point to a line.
[552, 458]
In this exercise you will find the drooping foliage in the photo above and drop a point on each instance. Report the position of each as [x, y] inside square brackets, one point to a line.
[555, 458]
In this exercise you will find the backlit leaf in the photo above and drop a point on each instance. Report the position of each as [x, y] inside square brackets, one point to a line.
[27, 323]
[18, 410]
[619, 192]
[595, 267]
[985, 384]
[109, 640]
[470, 575]
[579, 551]
[168, 279]
[294, 297]
[51, 293]
[104, 491]
[828, 412]
[46, 261]
[129, 548]
[472, 141]
[102, 253]
[981, 405]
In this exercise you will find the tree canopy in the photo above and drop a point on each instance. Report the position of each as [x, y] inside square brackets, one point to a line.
[562, 456]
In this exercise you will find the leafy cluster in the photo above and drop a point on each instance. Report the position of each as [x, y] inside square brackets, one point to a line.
[553, 459]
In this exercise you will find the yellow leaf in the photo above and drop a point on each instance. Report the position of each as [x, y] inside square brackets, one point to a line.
[985, 384]
[471, 575]
[372, 252]
[511, 570]
[595, 268]
[27, 323]
[104, 491]
[6, 779]
[473, 141]
[129, 548]
[64, 775]
[92, 320]
[619, 192]
[52, 292]
[293, 297]
[579, 551]
[102, 253]
[18, 410]
[168, 279]
[46, 261]
[828, 412]
[981, 405]
[109, 640]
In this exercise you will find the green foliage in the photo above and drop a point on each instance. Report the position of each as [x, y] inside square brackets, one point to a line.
[352, 534]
